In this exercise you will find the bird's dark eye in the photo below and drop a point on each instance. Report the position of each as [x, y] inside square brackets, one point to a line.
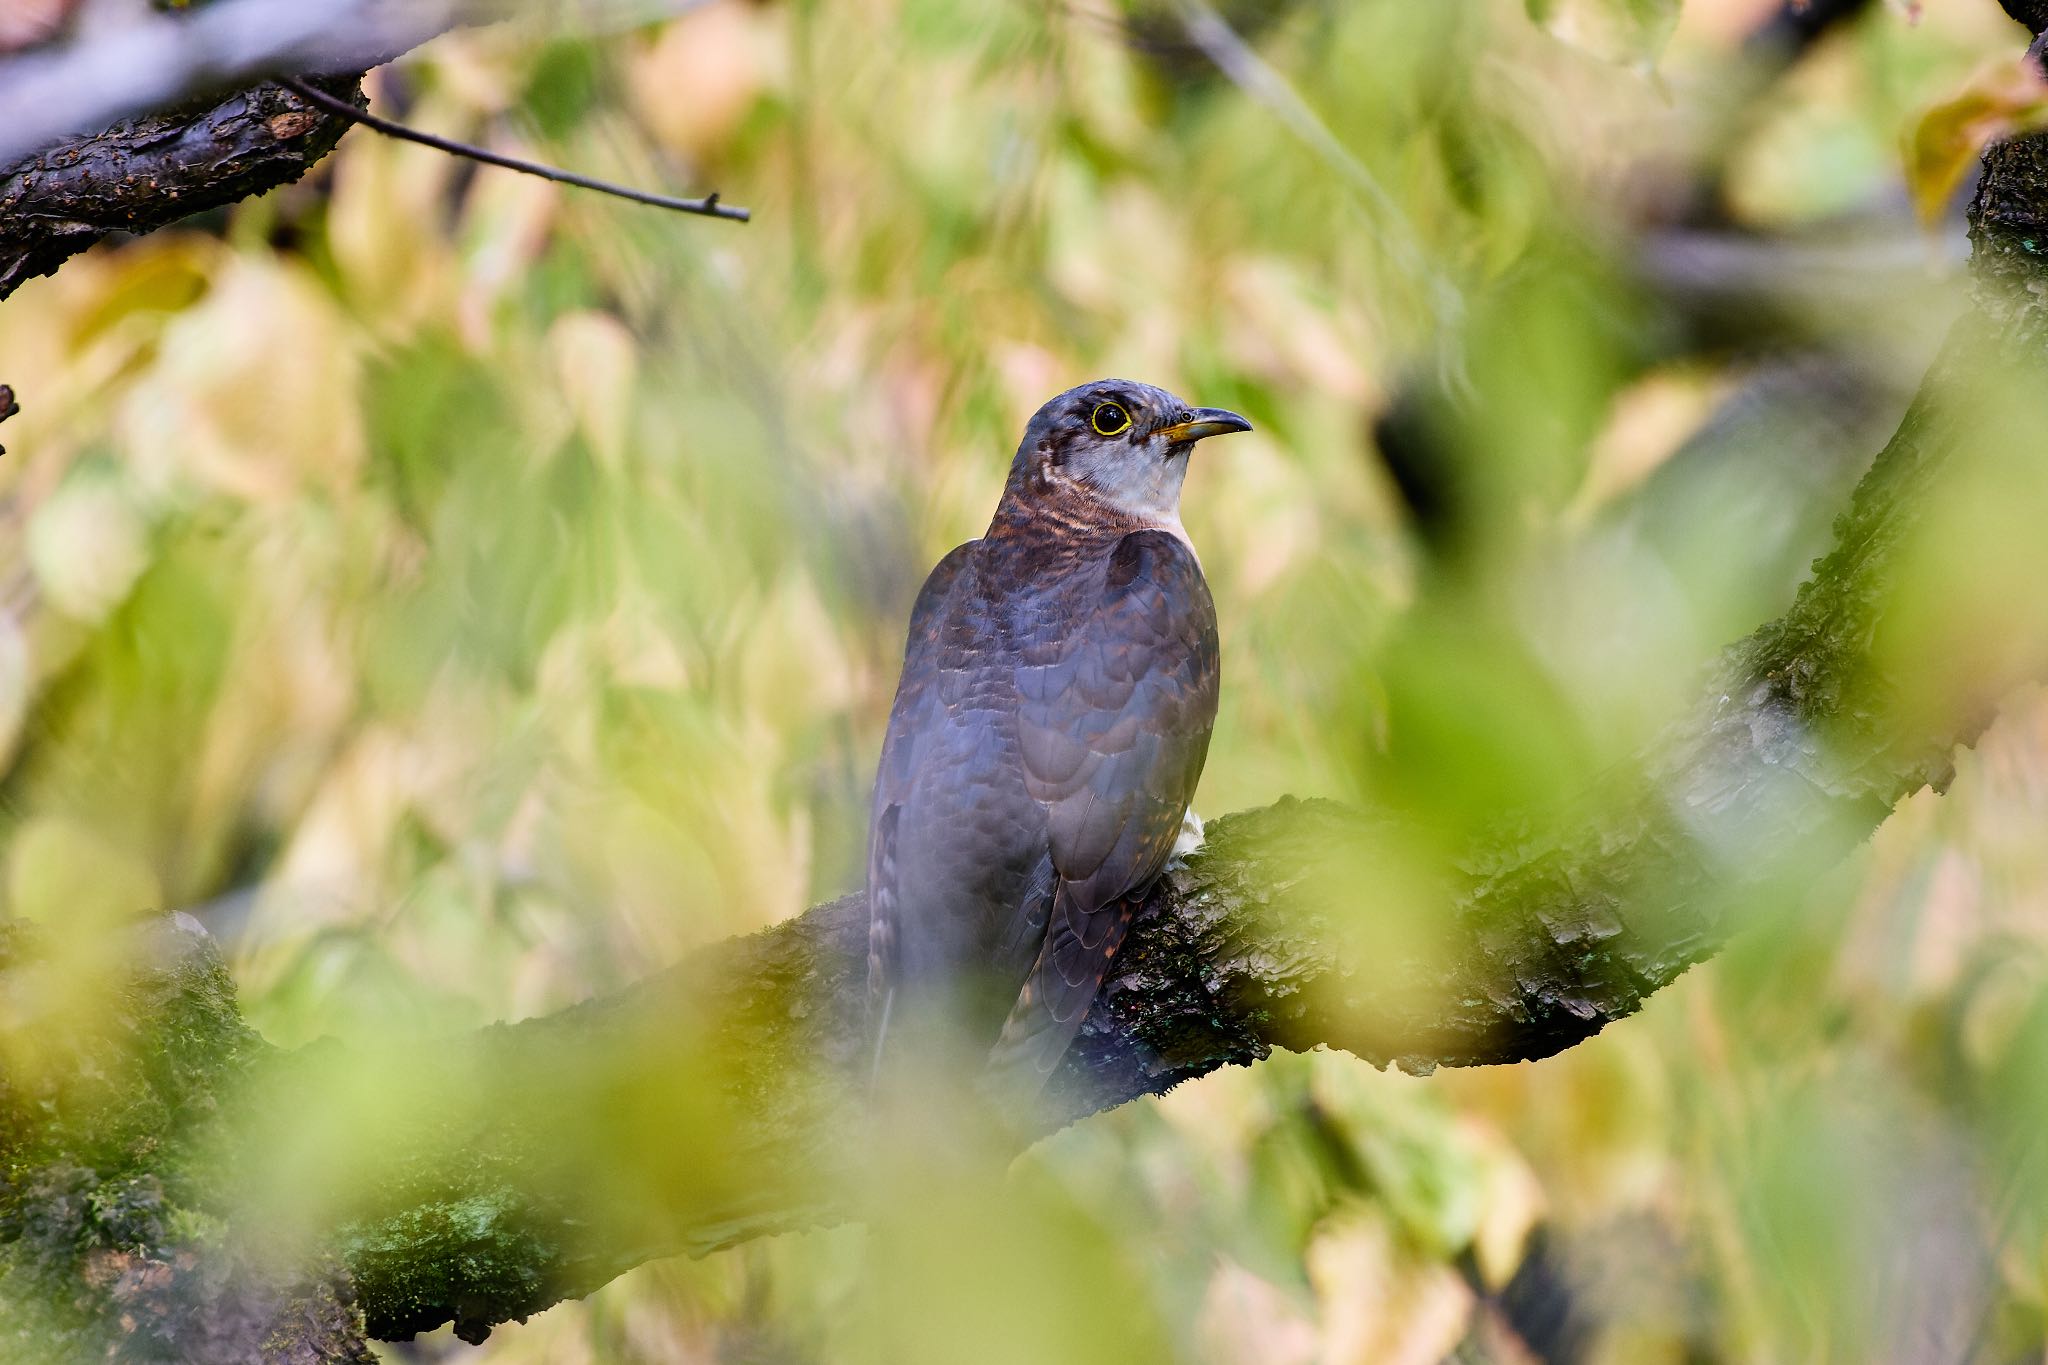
[1109, 419]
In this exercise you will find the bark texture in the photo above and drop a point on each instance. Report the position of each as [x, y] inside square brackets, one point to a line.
[111, 1242]
[145, 172]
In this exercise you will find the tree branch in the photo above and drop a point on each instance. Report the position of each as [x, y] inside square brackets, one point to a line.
[165, 62]
[144, 173]
[169, 116]
[177, 136]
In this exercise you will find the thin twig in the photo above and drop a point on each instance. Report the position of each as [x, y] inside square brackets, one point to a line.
[341, 108]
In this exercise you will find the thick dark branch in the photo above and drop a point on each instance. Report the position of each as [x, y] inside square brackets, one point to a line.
[147, 172]
[188, 139]
[159, 119]
[50, 96]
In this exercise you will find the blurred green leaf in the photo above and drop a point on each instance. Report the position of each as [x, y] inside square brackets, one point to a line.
[1632, 31]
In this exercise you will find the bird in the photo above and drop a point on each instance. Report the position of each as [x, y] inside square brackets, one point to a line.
[1058, 691]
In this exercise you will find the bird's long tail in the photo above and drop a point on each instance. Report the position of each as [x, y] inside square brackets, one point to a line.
[882, 947]
[1071, 967]
[879, 1029]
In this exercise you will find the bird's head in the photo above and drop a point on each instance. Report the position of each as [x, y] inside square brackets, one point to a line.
[1124, 444]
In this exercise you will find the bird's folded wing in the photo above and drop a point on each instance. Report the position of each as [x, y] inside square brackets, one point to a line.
[916, 691]
[1114, 715]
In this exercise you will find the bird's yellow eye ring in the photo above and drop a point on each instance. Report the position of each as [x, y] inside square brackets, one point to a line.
[1110, 419]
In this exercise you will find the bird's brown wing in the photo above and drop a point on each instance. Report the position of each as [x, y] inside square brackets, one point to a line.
[916, 691]
[1114, 715]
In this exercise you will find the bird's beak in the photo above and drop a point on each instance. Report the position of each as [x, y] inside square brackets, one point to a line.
[1206, 422]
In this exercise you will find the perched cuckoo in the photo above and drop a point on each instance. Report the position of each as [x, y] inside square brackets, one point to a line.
[1058, 691]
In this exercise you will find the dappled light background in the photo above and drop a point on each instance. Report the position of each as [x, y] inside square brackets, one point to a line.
[467, 596]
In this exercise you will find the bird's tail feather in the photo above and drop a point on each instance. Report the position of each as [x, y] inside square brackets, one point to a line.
[881, 1033]
[1064, 981]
